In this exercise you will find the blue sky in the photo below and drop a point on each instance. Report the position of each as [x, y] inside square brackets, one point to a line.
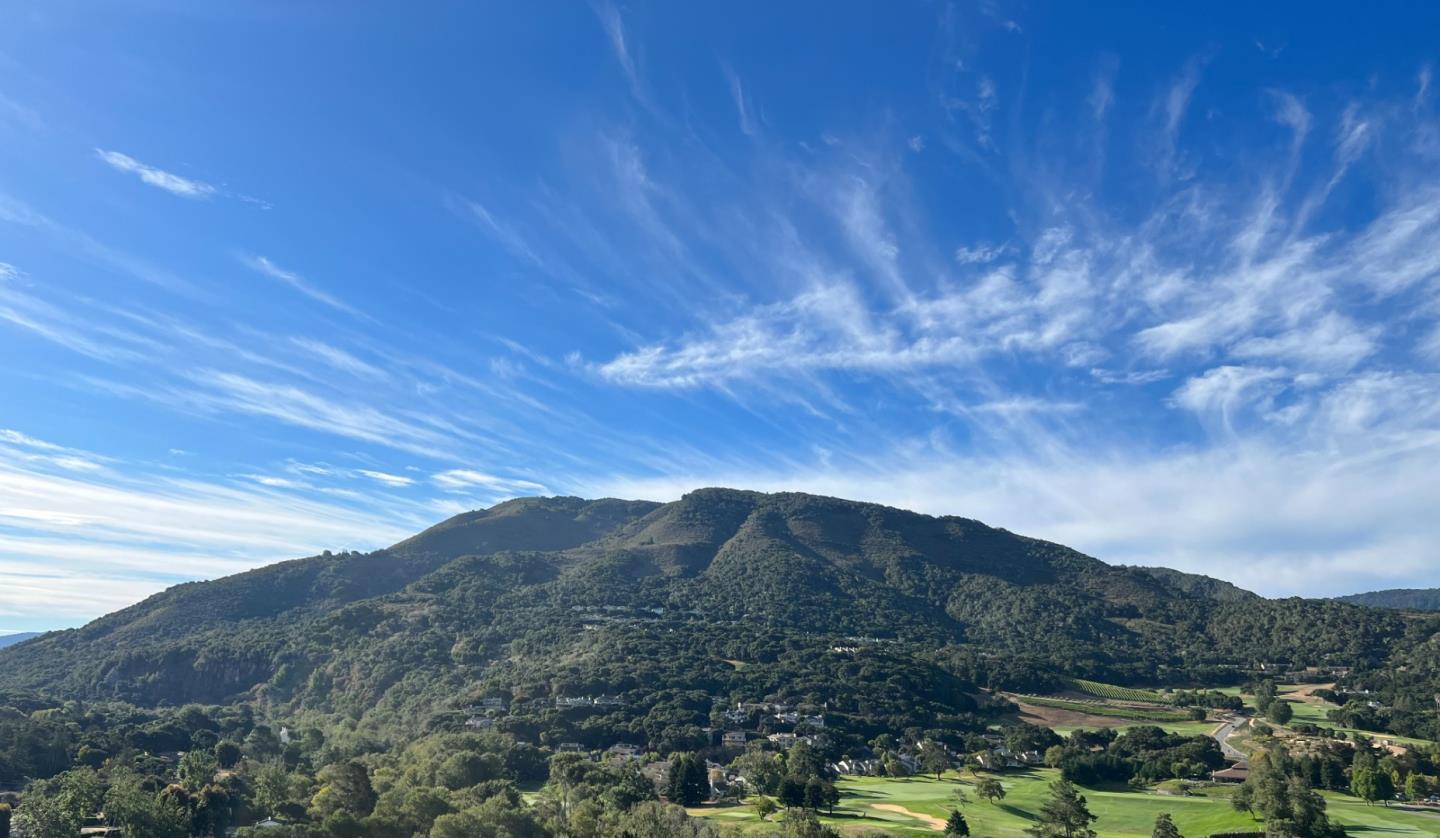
[283, 277]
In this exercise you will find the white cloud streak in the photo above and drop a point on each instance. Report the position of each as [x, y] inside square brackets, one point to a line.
[159, 178]
[299, 283]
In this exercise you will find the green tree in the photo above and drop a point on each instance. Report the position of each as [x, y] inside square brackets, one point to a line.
[791, 792]
[1265, 693]
[345, 785]
[956, 825]
[342, 824]
[806, 825]
[5, 820]
[1064, 813]
[1244, 800]
[1280, 712]
[1416, 786]
[1165, 827]
[761, 770]
[227, 754]
[659, 820]
[47, 816]
[802, 760]
[82, 790]
[689, 783]
[765, 807]
[273, 787]
[197, 769]
[1373, 785]
[213, 807]
[991, 789]
[934, 759]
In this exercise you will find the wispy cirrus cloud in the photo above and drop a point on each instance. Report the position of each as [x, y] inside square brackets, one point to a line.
[392, 480]
[614, 25]
[467, 479]
[159, 178]
[79, 544]
[264, 266]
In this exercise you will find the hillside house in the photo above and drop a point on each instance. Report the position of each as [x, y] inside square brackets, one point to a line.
[733, 739]
[784, 740]
[570, 748]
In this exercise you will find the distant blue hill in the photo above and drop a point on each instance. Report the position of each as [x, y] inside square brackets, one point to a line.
[1405, 599]
[12, 639]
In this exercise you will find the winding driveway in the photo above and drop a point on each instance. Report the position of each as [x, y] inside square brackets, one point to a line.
[1222, 736]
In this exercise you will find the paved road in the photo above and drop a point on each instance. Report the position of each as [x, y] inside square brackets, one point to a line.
[1222, 736]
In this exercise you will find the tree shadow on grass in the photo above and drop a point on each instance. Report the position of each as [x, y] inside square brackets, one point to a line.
[1016, 811]
[863, 794]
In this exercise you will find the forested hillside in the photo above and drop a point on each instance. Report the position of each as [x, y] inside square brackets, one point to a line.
[547, 597]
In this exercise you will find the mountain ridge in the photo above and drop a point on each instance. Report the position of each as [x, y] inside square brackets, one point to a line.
[17, 637]
[540, 596]
[1400, 599]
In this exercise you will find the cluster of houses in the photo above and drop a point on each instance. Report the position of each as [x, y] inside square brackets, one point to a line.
[770, 715]
[587, 701]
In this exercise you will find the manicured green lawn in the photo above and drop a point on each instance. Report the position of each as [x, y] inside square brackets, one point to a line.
[1122, 813]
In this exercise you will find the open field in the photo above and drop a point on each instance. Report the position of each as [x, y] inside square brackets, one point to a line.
[1119, 711]
[910, 806]
[1065, 716]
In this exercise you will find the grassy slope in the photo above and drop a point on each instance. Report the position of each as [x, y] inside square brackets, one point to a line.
[1122, 814]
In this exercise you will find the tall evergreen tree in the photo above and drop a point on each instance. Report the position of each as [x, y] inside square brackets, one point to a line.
[689, 783]
[1165, 827]
[1064, 814]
